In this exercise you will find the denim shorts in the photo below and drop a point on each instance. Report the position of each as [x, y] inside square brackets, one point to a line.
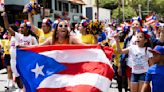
[138, 77]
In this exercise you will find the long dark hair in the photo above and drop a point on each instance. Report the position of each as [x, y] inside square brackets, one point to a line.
[33, 34]
[148, 43]
[30, 32]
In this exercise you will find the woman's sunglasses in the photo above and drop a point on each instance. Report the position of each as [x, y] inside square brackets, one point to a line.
[63, 26]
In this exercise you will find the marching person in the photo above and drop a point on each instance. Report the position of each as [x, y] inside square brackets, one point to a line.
[139, 56]
[155, 73]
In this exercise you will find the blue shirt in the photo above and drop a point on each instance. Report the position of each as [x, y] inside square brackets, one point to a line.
[101, 37]
[156, 75]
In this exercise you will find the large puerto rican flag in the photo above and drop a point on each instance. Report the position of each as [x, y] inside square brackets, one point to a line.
[65, 68]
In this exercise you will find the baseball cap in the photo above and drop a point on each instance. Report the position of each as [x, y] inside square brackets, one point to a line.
[158, 49]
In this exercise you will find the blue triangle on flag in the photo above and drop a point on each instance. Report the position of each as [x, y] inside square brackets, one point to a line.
[27, 61]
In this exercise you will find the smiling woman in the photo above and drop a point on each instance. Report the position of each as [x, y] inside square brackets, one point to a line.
[61, 35]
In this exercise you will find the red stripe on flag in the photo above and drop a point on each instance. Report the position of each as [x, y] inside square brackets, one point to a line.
[151, 22]
[90, 67]
[59, 47]
[148, 18]
[78, 88]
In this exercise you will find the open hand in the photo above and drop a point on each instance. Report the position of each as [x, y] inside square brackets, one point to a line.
[116, 36]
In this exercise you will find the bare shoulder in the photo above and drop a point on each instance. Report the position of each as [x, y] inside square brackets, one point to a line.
[75, 40]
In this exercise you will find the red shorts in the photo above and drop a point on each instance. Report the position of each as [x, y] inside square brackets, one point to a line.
[128, 72]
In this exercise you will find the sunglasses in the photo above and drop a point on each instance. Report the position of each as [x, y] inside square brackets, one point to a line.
[63, 26]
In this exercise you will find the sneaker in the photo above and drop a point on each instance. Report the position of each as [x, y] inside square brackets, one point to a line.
[18, 90]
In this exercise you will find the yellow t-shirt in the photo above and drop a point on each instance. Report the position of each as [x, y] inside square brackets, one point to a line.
[43, 38]
[6, 46]
[117, 55]
[88, 39]
[39, 32]
[41, 35]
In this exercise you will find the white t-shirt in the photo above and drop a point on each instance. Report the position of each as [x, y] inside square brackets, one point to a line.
[131, 42]
[110, 32]
[139, 58]
[25, 40]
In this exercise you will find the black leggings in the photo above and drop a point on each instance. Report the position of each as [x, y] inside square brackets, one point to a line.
[121, 80]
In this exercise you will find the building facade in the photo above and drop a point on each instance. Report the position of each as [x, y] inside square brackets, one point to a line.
[68, 9]
[72, 8]
[90, 11]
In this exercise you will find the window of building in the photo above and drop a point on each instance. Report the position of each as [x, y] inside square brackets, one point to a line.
[74, 8]
[60, 5]
[81, 9]
[65, 7]
[56, 5]
[48, 4]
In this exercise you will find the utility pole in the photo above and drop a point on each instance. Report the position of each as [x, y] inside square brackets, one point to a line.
[148, 3]
[123, 12]
[119, 11]
[139, 9]
[97, 1]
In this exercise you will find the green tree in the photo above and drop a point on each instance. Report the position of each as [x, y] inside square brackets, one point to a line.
[158, 7]
[131, 7]
[154, 5]
[109, 4]
[129, 13]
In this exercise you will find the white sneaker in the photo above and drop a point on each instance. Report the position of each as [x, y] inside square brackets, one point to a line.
[11, 83]
[17, 90]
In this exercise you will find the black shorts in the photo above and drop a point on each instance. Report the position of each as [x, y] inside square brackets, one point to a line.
[7, 59]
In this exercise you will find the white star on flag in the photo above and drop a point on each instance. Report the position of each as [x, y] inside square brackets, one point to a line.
[38, 70]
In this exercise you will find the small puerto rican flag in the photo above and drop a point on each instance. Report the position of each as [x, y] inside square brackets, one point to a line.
[151, 19]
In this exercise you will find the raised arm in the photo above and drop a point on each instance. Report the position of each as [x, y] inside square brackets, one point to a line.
[34, 28]
[5, 19]
[119, 49]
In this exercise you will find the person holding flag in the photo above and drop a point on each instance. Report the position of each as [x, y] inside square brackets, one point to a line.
[25, 38]
[61, 35]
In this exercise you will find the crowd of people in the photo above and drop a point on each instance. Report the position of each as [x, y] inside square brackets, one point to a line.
[135, 62]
